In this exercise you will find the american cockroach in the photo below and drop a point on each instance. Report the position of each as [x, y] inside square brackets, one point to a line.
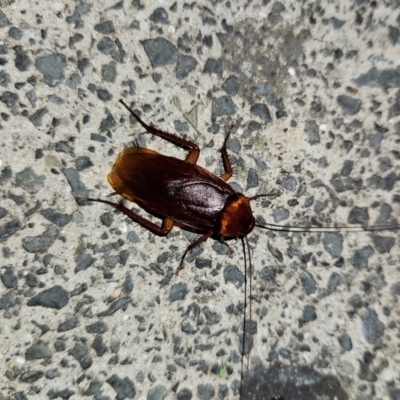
[188, 196]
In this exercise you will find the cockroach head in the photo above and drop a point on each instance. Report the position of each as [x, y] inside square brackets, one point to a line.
[236, 218]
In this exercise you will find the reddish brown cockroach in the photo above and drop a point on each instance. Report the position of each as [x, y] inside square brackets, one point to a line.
[186, 195]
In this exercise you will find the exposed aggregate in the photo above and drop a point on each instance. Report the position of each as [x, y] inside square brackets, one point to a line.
[89, 303]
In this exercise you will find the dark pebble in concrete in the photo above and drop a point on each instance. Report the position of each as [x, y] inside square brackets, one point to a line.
[311, 128]
[159, 16]
[9, 279]
[280, 214]
[97, 327]
[36, 117]
[333, 243]
[184, 394]
[181, 126]
[125, 388]
[128, 284]
[348, 104]
[160, 51]
[28, 180]
[4, 78]
[262, 111]
[63, 394]
[234, 275]
[22, 60]
[4, 21]
[85, 262]
[213, 66]
[52, 67]
[309, 313]
[79, 351]
[345, 342]
[185, 65]
[78, 187]
[7, 301]
[385, 78]
[205, 391]
[55, 297]
[372, 328]
[105, 27]
[268, 273]
[383, 244]
[82, 163]
[358, 215]
[74, 81]
[308, 282]
[158, 392]
[104, 94]
[115, 306]
[360, 257]
[106, 46]
[178, 291]
[223, 106]
[9, 98]
[396, 288]
[55, 217]
[98, 346]
[252, 178]
[109, 72]
[68, 325]
[40, 243]
[31, 376]
[231, 85]
[333, 282]
[38, 351]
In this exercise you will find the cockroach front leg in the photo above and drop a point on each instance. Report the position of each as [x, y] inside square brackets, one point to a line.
[186, 144]
[225, 158]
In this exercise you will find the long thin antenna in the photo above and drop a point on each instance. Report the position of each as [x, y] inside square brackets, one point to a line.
[322, 229]
[250, 315]
[246, 339]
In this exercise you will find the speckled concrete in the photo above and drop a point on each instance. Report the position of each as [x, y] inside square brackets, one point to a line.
[89, 304]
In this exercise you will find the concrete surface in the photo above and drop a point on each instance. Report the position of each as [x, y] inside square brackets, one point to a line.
[89, 304]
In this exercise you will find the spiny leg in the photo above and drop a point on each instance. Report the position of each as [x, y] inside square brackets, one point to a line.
[257, 196]
[186, 144]
[225, 158]
[145, 223]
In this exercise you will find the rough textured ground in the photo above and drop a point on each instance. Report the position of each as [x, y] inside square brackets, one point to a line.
[89, 304]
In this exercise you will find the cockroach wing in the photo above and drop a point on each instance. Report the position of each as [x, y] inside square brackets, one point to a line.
[168, 187]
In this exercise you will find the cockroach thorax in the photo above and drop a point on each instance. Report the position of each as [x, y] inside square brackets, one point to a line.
[236, 218]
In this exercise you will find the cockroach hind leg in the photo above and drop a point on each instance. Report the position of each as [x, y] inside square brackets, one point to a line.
[112, 194]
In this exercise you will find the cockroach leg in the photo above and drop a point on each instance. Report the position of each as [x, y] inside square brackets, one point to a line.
[186, 144]
[201, 239]
[145, 223]
[227, 245]
[257, 196]
[225, 158]
[112, 194]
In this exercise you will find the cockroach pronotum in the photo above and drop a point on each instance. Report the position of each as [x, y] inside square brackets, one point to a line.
[186, 195]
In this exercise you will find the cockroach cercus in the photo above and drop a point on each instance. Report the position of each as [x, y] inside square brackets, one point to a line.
[188, 196]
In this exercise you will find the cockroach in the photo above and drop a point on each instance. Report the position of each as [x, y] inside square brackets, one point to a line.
[184, 194]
